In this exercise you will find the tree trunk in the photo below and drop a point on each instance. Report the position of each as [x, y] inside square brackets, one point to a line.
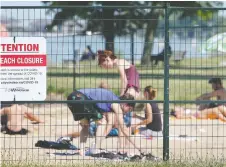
[109, 44]
[108, 29]
[149, 38]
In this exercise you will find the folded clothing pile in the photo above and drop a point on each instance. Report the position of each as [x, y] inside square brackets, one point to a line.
[124, 157]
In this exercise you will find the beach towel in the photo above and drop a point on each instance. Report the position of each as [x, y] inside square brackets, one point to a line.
[55, 145]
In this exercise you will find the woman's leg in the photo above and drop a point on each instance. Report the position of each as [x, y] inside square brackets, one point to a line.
[83, 135]
[122, 141]
[213, 113]
[101, 131]
[222, 109]
[84, 131]
[72, 134]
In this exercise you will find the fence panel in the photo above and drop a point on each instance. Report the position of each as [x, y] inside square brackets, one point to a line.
[193, 132]
[173, 55]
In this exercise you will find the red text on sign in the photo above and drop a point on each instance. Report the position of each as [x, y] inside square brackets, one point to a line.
[19, 47]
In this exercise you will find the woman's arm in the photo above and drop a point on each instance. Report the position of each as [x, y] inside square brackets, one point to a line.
[149, 118]
[119, 116]
[123, 78]
[137, 116]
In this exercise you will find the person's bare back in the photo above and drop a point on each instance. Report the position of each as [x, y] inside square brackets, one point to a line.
[221, 94]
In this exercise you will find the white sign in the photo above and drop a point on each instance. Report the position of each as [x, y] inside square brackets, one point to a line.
[22, 68]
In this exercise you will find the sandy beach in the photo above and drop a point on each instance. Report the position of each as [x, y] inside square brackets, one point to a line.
[199, 139]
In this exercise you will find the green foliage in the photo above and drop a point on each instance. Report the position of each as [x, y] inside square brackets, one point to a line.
[205, 15]
[51, 89]
[61, 90]
[120, 21]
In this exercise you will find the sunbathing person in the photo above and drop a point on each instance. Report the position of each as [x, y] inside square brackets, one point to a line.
[205, 111]
[210, 113]
[12, 117]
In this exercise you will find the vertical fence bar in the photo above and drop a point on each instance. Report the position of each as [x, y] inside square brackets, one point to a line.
[166, 89]
[74, 62]
[132, 46]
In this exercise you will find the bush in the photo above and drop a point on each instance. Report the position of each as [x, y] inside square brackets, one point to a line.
[51, 89]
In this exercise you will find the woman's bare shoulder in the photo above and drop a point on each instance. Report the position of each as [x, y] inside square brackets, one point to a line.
[124, 63]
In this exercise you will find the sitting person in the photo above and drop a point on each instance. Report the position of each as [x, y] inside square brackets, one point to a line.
[12, 117]
[205, 111]
[218, 91]
[152, 118]
[88, 54]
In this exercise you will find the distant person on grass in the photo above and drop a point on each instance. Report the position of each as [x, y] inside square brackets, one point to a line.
[205, 111]
[88, 54]
[12, 116]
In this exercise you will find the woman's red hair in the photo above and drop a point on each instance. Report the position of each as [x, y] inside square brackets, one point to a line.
[103, 54]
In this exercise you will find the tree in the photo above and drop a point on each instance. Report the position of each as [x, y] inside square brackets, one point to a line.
[109, 21]
[112, 21]
[155, 15]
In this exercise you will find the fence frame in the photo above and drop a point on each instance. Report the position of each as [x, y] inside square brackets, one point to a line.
[166, 100]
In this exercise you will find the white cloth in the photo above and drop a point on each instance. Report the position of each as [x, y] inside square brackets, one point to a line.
[148, 132]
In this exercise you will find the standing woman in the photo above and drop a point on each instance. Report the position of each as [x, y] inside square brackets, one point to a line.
[152, 118]
[128, 73]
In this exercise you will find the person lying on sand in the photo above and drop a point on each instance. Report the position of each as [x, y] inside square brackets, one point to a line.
[12, 117]
[210, 113]
[205, 111]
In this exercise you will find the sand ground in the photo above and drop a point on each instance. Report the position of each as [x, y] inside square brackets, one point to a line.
[205, 139]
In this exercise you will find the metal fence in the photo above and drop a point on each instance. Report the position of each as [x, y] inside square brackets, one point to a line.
[180, 76]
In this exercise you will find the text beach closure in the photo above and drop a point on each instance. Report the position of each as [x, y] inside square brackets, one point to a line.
[23, 68]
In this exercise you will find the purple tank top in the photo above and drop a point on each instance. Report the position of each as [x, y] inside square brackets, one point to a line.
[133, 78]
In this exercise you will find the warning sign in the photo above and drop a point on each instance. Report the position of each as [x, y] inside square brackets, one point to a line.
[22, 68]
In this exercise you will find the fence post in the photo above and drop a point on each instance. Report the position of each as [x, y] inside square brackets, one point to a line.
[74, 62]
[132, 46]
[166, 89]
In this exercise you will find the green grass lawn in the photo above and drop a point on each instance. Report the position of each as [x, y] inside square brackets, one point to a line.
[187, 81]
[179, 89]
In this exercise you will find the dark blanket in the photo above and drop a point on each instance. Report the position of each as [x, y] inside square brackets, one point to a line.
[55, 145]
